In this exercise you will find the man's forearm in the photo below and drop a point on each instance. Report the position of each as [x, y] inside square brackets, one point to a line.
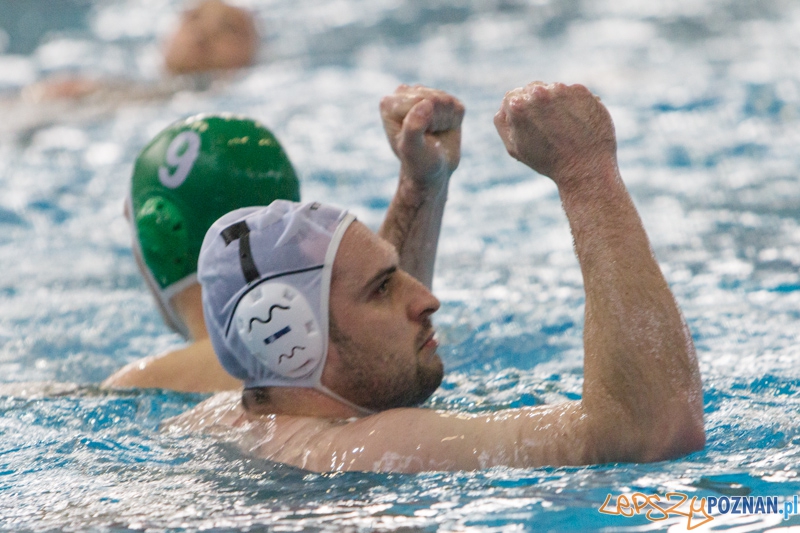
[423, 127]
[412, 225]
[640, 359]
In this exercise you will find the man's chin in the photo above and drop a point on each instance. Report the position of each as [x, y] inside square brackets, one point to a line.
[429, 377]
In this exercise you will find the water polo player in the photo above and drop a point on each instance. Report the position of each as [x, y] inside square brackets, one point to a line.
[334, 341]
[190, 174]
[201, 168]
[211, 41]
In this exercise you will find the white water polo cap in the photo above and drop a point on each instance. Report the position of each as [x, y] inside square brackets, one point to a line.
[266, 276]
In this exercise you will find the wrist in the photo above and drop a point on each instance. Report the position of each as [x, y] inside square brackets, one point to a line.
[413, 191]
[585, 179]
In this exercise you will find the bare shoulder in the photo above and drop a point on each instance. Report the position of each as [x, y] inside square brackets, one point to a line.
[387, 441]
[392, 440]
[223, 410]
[287, 439]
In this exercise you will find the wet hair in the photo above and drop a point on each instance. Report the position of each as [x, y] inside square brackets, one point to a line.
[253, 399]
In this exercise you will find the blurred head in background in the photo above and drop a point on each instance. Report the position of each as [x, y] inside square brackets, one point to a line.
[212, 35]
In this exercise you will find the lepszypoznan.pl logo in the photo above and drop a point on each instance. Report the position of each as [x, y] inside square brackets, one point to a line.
[697, 511]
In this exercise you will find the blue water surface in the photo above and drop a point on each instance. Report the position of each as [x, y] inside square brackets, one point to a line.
[705, 95]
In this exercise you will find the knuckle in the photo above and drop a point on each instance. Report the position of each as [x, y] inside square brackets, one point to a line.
[516, 102]
[580, 89]
[540, 91]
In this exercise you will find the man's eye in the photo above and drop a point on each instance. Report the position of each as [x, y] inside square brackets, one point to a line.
[383, 288]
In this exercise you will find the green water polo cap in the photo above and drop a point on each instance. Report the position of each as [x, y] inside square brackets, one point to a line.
[192, 173]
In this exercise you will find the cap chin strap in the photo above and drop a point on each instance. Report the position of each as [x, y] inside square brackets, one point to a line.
[173, 318]
[363, 411]
[330, 255]
[163, 297]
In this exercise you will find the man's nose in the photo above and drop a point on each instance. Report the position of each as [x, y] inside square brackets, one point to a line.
[423, 303]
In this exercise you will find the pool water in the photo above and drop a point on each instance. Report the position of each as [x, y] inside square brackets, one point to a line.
[705, 95]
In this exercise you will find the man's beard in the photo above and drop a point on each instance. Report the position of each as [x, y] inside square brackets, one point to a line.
[363, 387]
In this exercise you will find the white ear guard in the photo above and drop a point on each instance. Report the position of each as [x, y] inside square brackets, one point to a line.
[276, 323]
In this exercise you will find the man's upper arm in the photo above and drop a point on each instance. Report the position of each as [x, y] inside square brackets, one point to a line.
[414, 440]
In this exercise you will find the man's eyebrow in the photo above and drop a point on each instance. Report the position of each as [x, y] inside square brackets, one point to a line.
[381, 274]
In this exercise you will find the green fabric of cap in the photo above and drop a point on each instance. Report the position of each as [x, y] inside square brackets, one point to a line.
[192, 173]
